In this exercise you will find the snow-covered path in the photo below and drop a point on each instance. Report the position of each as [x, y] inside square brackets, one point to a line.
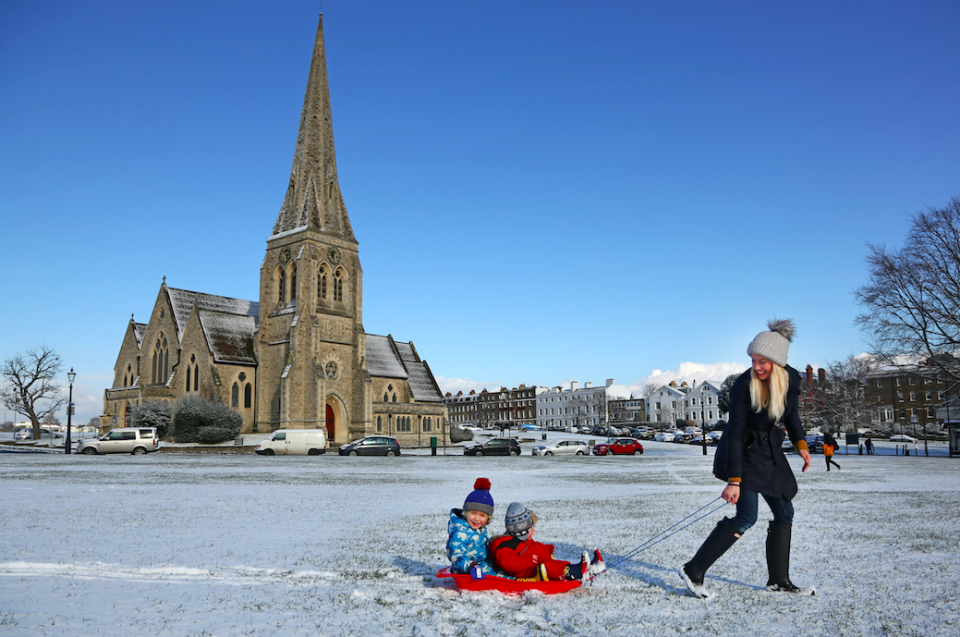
[209, 544]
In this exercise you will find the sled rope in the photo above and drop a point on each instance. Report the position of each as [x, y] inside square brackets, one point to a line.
[656, 539]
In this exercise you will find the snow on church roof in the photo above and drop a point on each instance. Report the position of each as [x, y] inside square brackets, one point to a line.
[230, 336]
[183, 301]
[382, 358]
[387, 358]
[422, 384]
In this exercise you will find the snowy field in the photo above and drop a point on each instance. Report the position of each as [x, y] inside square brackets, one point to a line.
[219, 544]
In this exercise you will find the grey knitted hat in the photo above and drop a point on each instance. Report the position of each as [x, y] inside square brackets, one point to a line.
[774, 344]
[519, 520]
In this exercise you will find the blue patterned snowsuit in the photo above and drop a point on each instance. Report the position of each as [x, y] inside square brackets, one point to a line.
[466, 545]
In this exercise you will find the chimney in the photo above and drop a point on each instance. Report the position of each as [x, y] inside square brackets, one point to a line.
[574, 385]
[609, 382]
[822, 374]
[810, 374]
[587, 385]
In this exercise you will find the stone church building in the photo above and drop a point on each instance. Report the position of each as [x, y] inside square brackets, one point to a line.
[298, 358]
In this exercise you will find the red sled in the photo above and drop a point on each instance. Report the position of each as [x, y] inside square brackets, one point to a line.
[506, 586]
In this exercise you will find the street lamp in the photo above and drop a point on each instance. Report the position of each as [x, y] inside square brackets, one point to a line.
[70, 375]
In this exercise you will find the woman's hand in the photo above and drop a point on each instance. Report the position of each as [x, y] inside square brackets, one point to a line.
[731, 493]
[806, 459]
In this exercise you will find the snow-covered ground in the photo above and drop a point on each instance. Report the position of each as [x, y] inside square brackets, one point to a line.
[211, 544]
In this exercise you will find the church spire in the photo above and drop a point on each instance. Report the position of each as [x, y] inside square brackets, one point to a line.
[313, 200]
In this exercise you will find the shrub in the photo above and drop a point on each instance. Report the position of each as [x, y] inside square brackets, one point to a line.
[155, 413]
[212, 435]
[193, 414]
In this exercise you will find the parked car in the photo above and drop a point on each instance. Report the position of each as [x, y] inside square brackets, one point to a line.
[902, 438]
[714, 437]
[371, 446]
[644, 433]
[294, 442]
[664, 436]
[494, 447]
[135, 440]
[815, 443]
[563, 448]
[619, 446]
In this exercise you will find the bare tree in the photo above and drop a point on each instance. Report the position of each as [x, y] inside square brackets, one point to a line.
[843, 403]
[650, 390]
[911, 306]
[31, 389]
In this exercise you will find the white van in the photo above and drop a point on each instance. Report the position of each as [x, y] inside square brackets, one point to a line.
[293, 442]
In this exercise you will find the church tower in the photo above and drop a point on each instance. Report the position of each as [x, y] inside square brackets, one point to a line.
[311, 345]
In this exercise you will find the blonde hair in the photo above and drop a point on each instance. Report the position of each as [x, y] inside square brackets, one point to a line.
[770, 394]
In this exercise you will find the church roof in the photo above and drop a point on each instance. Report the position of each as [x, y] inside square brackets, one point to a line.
[383, 359]
[387, 358]
[182, 302]
[313, 199]
[138, 331]
[230, 336]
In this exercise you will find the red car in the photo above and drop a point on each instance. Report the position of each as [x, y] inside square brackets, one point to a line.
[619, 446]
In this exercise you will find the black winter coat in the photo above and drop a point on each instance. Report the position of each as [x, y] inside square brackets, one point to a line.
[755, 453]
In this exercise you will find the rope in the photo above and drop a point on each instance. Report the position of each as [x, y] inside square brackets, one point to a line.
[653, 541]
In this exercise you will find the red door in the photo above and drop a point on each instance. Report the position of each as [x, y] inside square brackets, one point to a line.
[331, 425]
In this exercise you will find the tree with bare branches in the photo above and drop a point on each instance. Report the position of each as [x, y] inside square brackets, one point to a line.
[31, 388]
[911, 305]
[842, 404]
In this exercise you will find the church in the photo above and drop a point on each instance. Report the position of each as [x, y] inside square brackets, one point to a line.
[299, 357]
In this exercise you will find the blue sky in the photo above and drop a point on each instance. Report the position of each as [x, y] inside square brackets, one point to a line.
[542, 191]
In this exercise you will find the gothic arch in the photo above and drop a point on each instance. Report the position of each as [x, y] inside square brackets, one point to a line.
[333, 406]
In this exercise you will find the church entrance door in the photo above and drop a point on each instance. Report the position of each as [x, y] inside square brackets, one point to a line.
[331, 424]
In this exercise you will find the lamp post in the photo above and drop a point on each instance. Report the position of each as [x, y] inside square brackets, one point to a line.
[703, 423]
[70, 375]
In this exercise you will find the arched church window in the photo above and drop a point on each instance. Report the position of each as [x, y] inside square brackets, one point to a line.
[235, 396]
[196, 377]
[160, 361]
[394, 398]
[338, 285]
[322, 282]
[188, 377]
[293, 282]
[248, 396]
[379, 424]
[281, 287]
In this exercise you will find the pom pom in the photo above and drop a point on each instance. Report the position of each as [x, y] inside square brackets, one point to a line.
[482, 483]
[783, 327]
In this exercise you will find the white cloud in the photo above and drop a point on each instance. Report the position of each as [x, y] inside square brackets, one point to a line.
[689, 372]
[453, 385]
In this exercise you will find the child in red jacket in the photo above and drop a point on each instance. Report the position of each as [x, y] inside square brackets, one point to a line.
[517, 554]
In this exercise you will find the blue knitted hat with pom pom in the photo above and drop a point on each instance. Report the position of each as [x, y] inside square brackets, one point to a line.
[480, 499]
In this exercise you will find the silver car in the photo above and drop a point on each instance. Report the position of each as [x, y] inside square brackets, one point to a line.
[563, 448]
[135, 440]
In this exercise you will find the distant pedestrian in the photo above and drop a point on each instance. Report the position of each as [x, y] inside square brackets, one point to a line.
[869, 445]
[829, 446]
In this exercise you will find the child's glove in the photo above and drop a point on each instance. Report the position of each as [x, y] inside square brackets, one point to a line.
[476, 572]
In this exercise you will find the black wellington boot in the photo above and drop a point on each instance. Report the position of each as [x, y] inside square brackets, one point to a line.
[778, 560]
[717, 543]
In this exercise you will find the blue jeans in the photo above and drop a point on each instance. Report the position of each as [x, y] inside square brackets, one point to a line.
[747, 510]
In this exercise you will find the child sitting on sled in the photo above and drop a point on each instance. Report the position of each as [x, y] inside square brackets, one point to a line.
[517, 554]
[467, 529]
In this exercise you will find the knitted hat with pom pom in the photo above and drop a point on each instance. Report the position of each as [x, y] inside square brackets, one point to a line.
[480, 499]
[775, 344]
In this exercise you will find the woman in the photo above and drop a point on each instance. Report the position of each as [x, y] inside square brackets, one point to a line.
[755, 465]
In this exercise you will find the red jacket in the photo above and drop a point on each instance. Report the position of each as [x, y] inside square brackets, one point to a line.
[515, 557]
